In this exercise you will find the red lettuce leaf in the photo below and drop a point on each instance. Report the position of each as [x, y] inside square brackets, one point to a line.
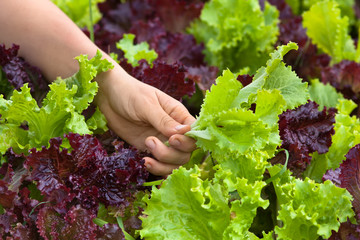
[110, 232]
[203, 76]
[299, 159]
[51, 168]
[177, 14]
[176, 48]
[347, 231]
[171, 47]
[76, 224]
[245, 79]
[305, 130]
[119, 17]
[20, 219]
[104, 38]
[18, 72]
[168, 78]
[307, 127]
[6, 221]
[347, 176]
[345, 77]
[333, 175]
[6, 196]
[87, 175]
[148, 20]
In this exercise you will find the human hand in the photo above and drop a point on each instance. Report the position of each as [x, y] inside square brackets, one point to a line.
[138, 113]
[146, 117]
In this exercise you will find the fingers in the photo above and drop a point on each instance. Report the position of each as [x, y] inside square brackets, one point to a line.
[164, 123]
[182, 143]
[166, 154]
[169, 116]
[167, 158]
[159, 168]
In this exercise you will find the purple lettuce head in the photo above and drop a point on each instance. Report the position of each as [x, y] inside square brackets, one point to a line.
[87, 175]
[77, 223]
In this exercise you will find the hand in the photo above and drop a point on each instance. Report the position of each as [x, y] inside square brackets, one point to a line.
[146, 117]
[138, 113]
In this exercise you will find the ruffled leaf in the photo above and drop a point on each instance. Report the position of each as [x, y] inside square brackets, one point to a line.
[298, 213]
[134, 53]
[186, 207]
[236, 34]
[60, 112]
[328, 30]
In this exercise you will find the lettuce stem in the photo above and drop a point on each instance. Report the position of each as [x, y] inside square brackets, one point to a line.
[91, 26]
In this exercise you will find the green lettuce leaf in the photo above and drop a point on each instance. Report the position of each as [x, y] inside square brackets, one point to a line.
[60, 111]
[227, 124]
[236, 34]
[134, 53]
[79, 11]
[220, 96]
[309, 209]
[244, 210]
[97, 122]
[277, 76]
[346, 7]
[185, 207]
[329, 31]
[324, 94]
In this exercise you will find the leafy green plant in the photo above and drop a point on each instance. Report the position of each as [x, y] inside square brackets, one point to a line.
[59, 113]
[80, 12]
[135, 52]
[241, 140]
[329, 31]
[236, 34]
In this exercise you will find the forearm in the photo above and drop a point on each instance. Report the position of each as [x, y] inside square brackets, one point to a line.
[48, 39]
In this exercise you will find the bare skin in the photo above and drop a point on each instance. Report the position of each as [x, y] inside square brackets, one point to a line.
[140, 114]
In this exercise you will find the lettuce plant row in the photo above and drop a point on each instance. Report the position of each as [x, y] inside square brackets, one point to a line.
[275, 90]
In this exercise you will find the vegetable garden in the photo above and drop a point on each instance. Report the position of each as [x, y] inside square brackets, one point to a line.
[275, 88]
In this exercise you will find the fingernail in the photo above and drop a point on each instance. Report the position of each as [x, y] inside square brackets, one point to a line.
[175, 143]
[150, 144]
[179, 127]
[147, 165]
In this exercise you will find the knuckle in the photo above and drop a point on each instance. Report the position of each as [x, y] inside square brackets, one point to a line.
[165, 120]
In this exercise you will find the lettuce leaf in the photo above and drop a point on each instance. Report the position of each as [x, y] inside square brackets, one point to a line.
[324, 94]
[186, 207]
[226, 122]
[346, 7]
[329, 31]
[60, 111]
[79, 12]
[277, 76]
[298, 213]
[236, 34]
[238, 126]
[134, 53]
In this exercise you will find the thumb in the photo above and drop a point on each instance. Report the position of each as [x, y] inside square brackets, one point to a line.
[165, 124]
